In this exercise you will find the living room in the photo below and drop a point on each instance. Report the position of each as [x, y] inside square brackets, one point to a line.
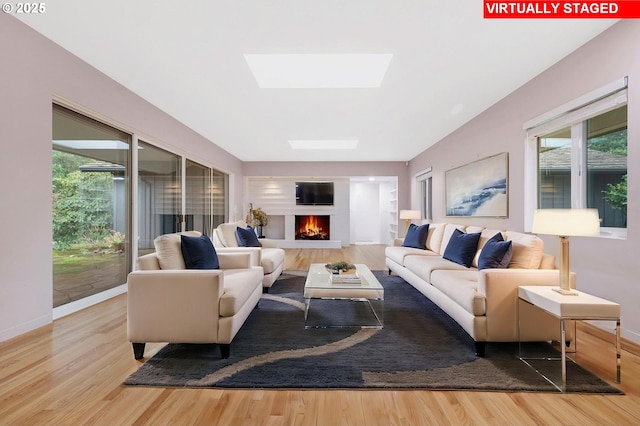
[37, 72]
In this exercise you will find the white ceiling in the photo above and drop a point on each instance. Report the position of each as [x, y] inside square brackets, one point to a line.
[449, 64]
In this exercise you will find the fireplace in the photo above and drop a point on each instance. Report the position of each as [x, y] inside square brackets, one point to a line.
[312, 227]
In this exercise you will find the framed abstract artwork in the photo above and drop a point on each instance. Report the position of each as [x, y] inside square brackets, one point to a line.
[479, 188]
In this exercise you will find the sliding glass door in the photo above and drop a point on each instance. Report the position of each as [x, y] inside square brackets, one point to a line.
[205, 197]
[90, 177]
[92, 209]
[159, 195]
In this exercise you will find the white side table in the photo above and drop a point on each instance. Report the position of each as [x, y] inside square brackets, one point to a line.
[567, 308]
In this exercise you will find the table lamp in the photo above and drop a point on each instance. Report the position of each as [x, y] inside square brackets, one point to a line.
[408, 216]
[566, 223]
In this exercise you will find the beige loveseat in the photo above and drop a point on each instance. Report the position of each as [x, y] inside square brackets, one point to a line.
[484, 302]
[168, 303]
[269, 256]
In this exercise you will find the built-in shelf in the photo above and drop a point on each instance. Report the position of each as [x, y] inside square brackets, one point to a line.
[393, 211]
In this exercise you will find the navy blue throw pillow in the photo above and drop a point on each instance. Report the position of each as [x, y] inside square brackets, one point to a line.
[198, 252]
[247, 237]
[496, 253]
[462, 248]
[416, 236]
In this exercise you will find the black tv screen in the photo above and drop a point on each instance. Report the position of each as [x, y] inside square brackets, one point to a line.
[314, 193]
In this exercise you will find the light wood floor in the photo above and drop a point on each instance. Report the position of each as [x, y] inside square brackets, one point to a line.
[71, 373]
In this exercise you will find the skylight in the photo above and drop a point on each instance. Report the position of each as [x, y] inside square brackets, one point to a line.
[318, 71]
[324, 144]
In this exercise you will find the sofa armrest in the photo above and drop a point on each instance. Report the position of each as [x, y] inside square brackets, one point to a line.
[500, 288]
[147, 262]
[234, 260]
[174, 305]
[254, 253]
[267, 243]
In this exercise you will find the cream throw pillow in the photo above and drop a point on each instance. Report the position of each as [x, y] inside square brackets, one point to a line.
[168, 250]
[527, 250]
[227, 233]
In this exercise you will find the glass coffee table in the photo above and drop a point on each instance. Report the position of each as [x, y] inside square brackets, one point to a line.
[338, 305]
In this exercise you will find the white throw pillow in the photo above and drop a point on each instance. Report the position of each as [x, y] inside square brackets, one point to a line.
[527, 250]
[227, 233]
[168, 250]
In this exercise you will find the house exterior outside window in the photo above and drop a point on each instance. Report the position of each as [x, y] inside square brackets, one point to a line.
[576, 157]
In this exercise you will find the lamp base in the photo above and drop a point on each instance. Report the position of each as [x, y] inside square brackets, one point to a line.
[564, 292]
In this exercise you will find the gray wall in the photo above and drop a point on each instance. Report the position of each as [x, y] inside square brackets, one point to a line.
[605, 267]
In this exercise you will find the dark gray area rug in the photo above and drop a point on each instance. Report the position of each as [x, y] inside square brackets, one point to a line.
[420, 346]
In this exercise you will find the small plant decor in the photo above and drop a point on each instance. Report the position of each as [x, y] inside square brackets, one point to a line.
[341, 266]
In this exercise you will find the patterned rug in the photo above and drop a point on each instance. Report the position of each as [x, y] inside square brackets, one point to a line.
[420, 346]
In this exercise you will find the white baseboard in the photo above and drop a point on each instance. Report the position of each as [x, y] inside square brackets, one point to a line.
[25, 327]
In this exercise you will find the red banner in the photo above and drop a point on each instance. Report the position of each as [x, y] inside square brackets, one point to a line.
[561, 9]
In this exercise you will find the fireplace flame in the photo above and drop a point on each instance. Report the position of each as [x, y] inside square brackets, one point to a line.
[313, 227]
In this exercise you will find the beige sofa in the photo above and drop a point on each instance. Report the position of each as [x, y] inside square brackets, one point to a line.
[484, 302]
[269, 256]
[168, 303]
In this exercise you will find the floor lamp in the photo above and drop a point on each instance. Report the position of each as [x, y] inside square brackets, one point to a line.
[408, 216]
[566, 223]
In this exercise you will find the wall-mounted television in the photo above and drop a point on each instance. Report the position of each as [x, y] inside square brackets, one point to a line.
[314, 193]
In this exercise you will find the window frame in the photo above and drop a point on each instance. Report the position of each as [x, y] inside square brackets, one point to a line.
[424, 193]
[573, 114]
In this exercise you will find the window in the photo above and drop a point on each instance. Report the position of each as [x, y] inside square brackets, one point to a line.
[90, 175]
[97, 169]
[423, 185]
[206, 193]
[581, 158]
[159, 195]
[220, 194]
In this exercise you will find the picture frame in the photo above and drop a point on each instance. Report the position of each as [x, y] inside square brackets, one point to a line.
[479, 188]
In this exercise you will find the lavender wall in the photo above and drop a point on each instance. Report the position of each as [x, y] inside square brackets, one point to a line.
[605, 267]
[32, 71]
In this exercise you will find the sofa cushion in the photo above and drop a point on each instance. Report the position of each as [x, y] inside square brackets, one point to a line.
[168, 250]
[271, 259]
[434, 238]
[496, 253]
[462, 288]
[416, 236]
[247, 237]
[462, 247]
[239, 284]
[398, 254]
[527, 250]
[227, 233]
[423, 266]
[198, 252]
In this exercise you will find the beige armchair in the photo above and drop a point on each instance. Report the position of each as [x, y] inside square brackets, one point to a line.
[269, 255]
[167, 303]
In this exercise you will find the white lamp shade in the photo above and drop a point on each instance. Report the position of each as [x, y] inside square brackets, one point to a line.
[410, 214]
[566, 222]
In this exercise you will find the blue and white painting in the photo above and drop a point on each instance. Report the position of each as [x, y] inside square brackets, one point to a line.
[478, 188]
